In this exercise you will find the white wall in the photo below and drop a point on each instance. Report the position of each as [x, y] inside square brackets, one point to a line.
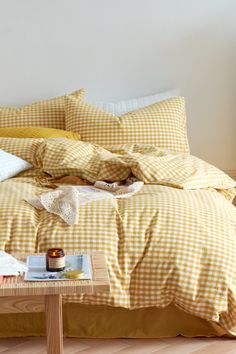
[125, 48]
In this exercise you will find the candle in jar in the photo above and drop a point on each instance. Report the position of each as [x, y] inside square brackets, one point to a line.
[55, 260]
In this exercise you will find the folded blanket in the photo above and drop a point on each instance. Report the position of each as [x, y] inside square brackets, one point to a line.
[66, 200]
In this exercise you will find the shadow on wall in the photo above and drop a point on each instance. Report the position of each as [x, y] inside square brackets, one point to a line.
[208, 81]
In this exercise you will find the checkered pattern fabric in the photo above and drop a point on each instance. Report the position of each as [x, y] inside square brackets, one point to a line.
[61, 157]
[163, 245]
[150, 164]
[48, 113]
[162, 124]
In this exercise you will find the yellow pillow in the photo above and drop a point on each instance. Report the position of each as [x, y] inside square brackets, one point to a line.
[47, 113]
[37, 132]
[162, 124]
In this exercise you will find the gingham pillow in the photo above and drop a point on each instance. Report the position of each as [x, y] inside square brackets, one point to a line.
[48, 113]
[162, 124]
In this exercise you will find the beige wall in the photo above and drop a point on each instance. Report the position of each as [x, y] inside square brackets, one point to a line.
[125, 48]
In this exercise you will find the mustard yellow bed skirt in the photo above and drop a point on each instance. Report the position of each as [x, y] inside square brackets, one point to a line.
[109, 322]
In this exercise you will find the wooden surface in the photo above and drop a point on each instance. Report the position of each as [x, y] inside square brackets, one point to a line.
[16, 286]
[54, 324]
[177, 345]
[17, 295]
[22, 304]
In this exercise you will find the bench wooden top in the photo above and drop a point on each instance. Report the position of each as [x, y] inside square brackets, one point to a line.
[16, 286]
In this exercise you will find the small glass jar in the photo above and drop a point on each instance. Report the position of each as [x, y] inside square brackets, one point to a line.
[55, 260]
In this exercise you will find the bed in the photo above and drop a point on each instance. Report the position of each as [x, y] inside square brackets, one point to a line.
[170, 248]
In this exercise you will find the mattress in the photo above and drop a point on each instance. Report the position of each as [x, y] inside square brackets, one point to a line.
[165, 246]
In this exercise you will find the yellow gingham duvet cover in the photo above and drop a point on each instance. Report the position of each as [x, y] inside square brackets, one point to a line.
[173, 242]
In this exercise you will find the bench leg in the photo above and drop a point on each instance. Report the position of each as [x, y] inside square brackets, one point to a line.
[54, 322]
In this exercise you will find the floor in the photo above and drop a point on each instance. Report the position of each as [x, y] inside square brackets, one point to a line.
[177, 345]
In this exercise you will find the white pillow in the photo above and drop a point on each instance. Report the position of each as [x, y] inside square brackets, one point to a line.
[11, 165]
[123, 107]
